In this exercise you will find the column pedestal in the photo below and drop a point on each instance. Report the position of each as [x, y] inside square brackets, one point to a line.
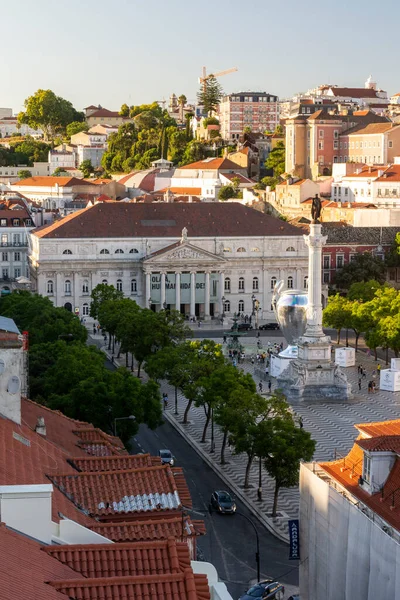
[207, 298]
[313, 376]
[147, 290]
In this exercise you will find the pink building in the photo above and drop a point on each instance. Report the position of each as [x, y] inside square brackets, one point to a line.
[257, 110]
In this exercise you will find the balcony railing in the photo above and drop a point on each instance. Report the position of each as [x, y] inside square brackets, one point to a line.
[13, 244]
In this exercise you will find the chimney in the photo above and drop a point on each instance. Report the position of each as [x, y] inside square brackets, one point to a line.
[27, 508]
[40, 427]
[380, 172]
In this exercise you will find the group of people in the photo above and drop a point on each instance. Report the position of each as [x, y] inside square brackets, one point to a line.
[362, 374]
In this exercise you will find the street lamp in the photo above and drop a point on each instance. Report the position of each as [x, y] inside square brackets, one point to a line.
[259, 491]
[130, 418]
[258, 542]
[212, 450]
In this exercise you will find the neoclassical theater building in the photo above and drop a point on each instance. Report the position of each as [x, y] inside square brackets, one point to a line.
[203, 259]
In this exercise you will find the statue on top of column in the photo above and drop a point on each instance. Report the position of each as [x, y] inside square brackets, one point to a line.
[316, 209]
[184, 235]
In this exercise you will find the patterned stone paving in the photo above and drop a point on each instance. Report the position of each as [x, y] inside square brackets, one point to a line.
[330, 424]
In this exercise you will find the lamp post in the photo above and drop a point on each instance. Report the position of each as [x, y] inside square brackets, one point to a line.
[259, 491]
[130, 418]
[212, 450]
[258, 543]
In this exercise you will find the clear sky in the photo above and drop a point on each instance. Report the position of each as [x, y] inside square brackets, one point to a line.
[136, 51]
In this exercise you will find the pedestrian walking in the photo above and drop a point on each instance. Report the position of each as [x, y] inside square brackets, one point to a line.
[269, 385]
[258, 334]
[224, 339]
[301, 422]
[378, 368]
[359, 383]
[364, 374]
[165, 401]
[373, 386]
[369, 386]
[199, 324]
[266, 371]
[94, 329]
[252, 360]
[359, 369]
[260, 387]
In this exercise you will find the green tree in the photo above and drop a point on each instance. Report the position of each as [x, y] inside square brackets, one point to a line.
[210, 95]
[363, 267]
[24, 174]
[86, 167]
[337, 314]
[75, 127]
[363, 291]
[101, 293]
[276, 160]
[146, 120]
[226, 192]
[29, 151]
[195, 150]
[253, 430]
[48, 112]
[288, 445]
[124, 110]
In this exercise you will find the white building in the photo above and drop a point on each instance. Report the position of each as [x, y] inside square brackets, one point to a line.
[61, 157]
[378, 185]
[89, 146]
[15, 223]
[10, 174]
[202, 259]
[53, 192]
[349, 520]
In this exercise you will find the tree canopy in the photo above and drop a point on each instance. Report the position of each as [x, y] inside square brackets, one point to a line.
[364, 267]
[210, 95]
[48, 112]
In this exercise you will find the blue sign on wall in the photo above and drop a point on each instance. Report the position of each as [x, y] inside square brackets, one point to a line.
[294, 544]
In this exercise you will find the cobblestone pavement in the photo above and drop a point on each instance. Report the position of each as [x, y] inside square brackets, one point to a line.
[331, 425]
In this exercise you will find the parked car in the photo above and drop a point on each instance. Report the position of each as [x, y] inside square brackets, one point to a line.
[265, 590]
[223, 502]
[269, 326]
[166, 457]
[243, 327]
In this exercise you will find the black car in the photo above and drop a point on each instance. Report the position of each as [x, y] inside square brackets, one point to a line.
[265, 590]
[243, 327]
[269, 326]
[223, 502]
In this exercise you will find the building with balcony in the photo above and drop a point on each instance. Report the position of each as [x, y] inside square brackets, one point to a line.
[202, 259]
[15, 223]
[350, 519]
[258, 111]
[378, 185]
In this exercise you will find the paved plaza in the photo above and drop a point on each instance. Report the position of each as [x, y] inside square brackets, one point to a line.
[330, 424]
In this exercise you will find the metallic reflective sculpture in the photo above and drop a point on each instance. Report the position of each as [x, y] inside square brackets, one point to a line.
[290, 307]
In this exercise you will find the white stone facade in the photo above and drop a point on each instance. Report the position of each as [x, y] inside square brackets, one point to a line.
[203, 276]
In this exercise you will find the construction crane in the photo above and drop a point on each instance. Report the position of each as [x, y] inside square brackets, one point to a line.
[204, 78]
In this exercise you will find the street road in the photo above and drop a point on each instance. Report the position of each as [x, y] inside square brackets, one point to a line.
[230, 542]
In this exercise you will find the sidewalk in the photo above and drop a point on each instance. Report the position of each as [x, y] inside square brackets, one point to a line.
[330, 424]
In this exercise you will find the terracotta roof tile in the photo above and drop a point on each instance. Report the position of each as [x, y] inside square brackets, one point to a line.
[241, 178]
[124, 559]
[126, 220]
[28, 458]
[171, 586]
[383, 443]
[213, 164]
[182, 191]
[117, 463]
[153, 526]
[127, 491]
[354, 92]
[379, 428]
[372, 128]
[49, 181]
[25, 569]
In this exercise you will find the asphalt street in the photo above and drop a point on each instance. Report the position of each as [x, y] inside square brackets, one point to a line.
[230, 542]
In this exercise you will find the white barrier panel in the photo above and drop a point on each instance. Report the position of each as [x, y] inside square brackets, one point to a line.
[345, 357]
[395, 364]
[390, 380]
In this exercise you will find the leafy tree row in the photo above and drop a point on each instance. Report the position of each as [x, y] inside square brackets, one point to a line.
[369, 308]
[67, 375]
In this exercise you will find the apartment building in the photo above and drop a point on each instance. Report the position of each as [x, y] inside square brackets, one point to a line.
[375, 143]
[313, 142]
[257, 110]
[379, 185]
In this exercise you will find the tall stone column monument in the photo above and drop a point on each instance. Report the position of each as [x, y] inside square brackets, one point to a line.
[313, 376]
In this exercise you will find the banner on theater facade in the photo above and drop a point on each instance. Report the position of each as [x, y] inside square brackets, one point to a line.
[294, 540]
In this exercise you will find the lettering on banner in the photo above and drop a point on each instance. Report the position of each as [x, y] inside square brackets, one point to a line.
[294, 539]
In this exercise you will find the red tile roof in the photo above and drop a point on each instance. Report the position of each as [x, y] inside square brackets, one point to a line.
[123, 492]
[212, 164]
[354, 92]
[104, 112]
[368, 172]
[183, 191]
[28, 458]
[127, 220]
[379, 428]
[25, 569]
[124, 559]
[170, 586]
[151, 527]
[241, 178]
[391, 174]
[372, 129]
[117, 463]
[49, 181]
[383, 443]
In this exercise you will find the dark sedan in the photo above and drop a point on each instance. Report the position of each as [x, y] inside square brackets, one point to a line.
[273, 326]
[223, 502]
[265, 590]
